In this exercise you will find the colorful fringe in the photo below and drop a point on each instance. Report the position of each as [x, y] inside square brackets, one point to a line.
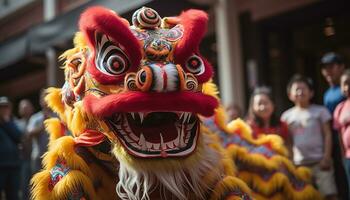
[263, 163]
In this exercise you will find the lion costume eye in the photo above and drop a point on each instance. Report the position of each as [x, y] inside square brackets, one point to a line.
[111, 59]
[194, 65]
[144, 78]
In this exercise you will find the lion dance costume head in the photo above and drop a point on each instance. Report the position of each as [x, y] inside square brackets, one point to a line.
[143, 83]
[132, 103]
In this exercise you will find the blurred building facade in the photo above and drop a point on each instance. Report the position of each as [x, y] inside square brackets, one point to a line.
[281, 39]
[249, 42]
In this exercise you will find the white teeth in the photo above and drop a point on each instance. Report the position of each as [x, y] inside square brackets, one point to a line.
[179, 131]
[133, 115]
[177, 140]
[144, 147]
[183, 125]
[190, 126]
[142, 142]
[162, 146]
[141, 117]
[169, 145]
[156, 146]
[189, 117]
[186, 117]
[149, 145]
[181, 115]
[181, 142]
[128, 140]
[133, 136]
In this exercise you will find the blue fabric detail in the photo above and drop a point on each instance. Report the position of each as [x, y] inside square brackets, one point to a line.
[58, 172]
[228, 139]
[332, 97]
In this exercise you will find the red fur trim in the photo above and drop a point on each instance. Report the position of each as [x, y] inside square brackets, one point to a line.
[194, 23]
[107, 22]
[171, 21]
[89, 138]
[150, 102]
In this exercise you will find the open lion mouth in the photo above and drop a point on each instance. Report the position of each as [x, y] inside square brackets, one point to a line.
[156, 134]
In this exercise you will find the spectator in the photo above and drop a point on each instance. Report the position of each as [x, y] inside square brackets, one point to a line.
[36, 131]
[262, 117]
[309, 125]
[332, 68]
[25, 111]
[9, 155]
[342, 120]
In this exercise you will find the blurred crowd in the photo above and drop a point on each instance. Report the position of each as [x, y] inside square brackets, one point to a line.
[317, 136]
[23, 142]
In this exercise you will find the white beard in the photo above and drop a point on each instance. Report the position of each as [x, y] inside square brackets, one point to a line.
[182, 182]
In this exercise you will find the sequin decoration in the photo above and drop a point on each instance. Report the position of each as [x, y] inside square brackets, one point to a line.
[58, 172]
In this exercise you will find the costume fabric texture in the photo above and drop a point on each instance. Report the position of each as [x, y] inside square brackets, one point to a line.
[262, 163]
[130, 117]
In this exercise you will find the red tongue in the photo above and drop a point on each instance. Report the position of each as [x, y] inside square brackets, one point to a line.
[163, 153]
[152, 134]
[89, 138]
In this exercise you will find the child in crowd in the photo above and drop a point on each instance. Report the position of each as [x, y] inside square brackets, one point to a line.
[341, 120]
[262, 118]
[309, 126]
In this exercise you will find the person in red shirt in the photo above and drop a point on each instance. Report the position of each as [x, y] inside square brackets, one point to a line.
[341, 120]
[262, 117]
